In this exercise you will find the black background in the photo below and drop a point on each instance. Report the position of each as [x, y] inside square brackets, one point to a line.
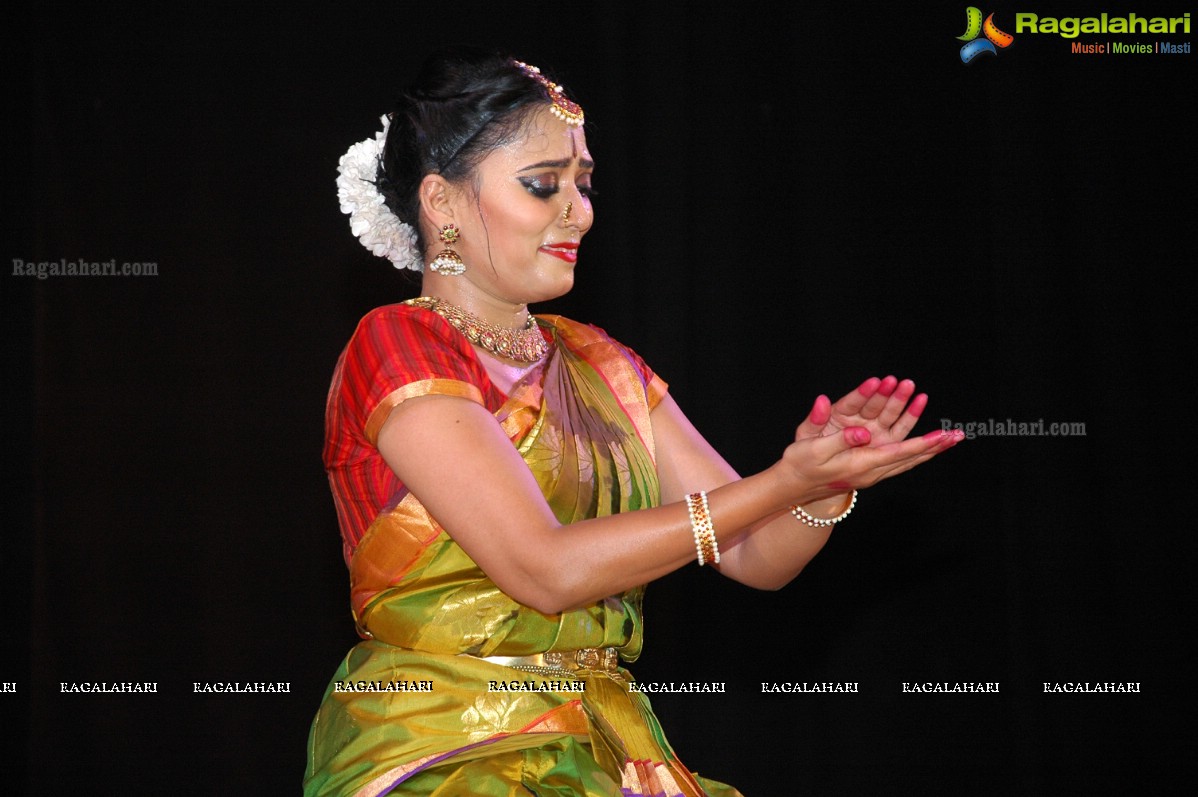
[789, 202]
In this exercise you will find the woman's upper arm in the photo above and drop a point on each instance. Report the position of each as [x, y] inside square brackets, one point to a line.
[686, 462]
[456, 459]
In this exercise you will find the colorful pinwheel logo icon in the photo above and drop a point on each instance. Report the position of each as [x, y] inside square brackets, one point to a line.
[993, 36]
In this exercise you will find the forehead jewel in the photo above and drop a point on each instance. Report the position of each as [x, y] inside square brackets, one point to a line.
[562, 106]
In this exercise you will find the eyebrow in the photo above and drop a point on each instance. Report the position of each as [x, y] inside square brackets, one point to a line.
[585, 163]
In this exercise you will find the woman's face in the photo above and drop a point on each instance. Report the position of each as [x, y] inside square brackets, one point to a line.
[518, 243]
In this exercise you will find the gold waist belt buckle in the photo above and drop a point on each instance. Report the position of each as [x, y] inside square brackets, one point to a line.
[562, 662]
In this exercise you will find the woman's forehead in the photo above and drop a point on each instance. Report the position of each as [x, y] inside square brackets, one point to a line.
[545, 138]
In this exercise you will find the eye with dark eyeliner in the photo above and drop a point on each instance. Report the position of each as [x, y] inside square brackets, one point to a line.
[543, 188]
[539, 186]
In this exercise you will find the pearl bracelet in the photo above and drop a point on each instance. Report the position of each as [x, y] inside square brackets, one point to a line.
[701, 526]
[821, 523]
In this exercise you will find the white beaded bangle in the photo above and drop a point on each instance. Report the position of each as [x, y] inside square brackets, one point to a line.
[822, 523]
[701, 526]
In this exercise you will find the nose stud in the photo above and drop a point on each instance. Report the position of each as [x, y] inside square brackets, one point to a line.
[566, 212]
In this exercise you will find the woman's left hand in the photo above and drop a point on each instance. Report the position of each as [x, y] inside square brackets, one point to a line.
[883, 407]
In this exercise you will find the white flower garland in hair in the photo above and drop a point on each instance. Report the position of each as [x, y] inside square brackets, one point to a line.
[377, 228]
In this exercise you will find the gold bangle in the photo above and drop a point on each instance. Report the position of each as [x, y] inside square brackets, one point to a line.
[823, 523]
[701, 526]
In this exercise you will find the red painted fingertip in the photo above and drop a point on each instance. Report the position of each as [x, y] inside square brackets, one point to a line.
[869, 386]
[821, 411]
[888, 385]
[856, 436]
[950, 438]
[918, 405]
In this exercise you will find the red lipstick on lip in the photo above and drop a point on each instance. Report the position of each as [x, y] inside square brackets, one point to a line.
[566, 250]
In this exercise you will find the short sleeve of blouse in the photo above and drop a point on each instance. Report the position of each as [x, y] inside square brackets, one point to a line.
[655, 387]
[397, 353]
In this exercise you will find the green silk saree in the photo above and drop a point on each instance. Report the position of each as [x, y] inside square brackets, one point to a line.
[423, 706]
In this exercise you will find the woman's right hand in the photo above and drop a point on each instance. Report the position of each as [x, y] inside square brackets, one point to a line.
[860, 440]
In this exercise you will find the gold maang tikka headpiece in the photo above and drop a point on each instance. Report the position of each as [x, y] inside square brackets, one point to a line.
[562, 106]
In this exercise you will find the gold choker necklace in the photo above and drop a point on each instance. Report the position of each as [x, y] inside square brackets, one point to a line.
[526, 345]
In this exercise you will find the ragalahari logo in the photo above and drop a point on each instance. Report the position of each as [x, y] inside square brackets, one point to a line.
[993, 36]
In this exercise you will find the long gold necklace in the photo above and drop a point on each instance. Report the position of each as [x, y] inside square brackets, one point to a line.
[526, 345]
